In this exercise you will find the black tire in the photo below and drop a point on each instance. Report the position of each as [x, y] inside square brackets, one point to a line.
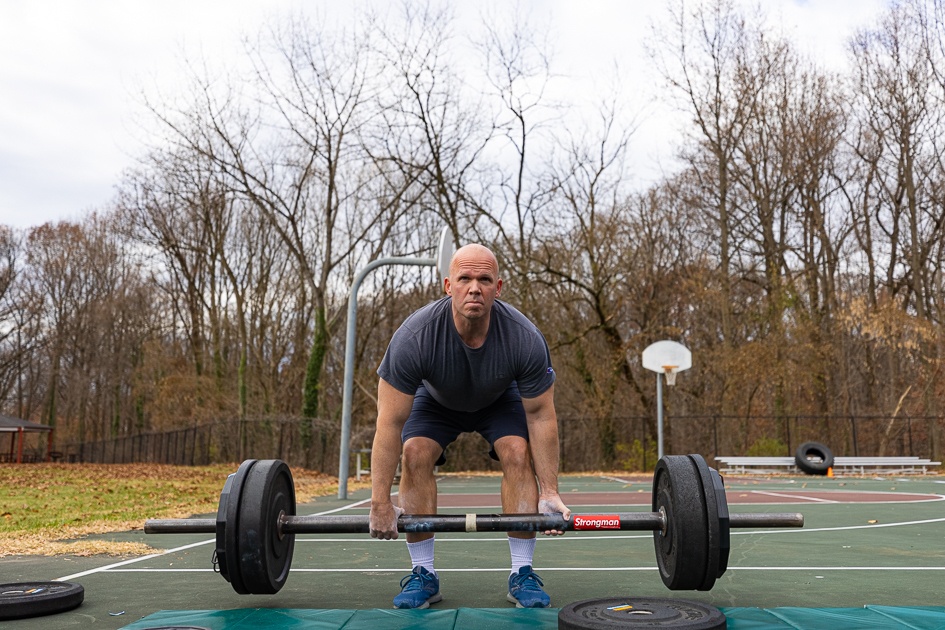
[813, 458]
[32, 599]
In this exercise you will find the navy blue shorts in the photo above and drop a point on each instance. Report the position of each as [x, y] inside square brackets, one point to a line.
[430, 419]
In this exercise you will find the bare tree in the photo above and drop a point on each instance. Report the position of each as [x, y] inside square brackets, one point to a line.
[441, 125]
[704, 57]
[518, 60]
[95, 315]
[12, 324]
[895, 86]
[579, 257]
[899, 135]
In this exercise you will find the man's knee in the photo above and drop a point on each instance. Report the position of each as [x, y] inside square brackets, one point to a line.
[513, 454]
[420, 455]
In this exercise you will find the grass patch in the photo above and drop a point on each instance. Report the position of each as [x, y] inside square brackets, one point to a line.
[47, 509]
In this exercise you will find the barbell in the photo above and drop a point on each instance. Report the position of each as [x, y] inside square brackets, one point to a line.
[256, 524]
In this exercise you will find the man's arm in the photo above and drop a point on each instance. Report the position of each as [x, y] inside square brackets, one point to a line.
[393, 408]
[543, 439]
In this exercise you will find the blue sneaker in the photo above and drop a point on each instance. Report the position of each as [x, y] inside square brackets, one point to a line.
[418, 590]
[525, 589]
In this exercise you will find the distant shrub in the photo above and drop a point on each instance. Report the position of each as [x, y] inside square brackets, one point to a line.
[630, 457]
[767, 447]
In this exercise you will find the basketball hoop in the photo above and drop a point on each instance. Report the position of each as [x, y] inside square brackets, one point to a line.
[667, 358]
[670, 372]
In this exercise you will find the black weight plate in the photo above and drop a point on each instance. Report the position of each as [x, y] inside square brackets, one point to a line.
[220, 555]
[681, 550]
[639, 612]
[725, 531]
[32, 599]
[712, 525]
[234, 511]
[264, 555]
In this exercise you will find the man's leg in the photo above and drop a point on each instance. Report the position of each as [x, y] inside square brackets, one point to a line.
[519, 486]
[418, 484]
[418, 496]
[520, 496]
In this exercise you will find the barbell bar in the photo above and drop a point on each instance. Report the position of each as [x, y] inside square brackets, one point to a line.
[416, 523]
[256, 524]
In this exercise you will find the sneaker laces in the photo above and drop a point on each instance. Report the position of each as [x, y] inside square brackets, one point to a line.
[531, 579]
[415, 581]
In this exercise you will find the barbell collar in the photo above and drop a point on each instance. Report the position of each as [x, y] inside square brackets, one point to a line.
[412, 523]
[180, 526]
[761, 519]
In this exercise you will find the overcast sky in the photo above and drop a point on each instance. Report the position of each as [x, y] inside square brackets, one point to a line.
[69, 71]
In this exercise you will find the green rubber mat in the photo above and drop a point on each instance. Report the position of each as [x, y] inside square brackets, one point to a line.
[868, 617]
[375, 619]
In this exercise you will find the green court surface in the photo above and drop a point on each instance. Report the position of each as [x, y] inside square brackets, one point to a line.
[872, 551]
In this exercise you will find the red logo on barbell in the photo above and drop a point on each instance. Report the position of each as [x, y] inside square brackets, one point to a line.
[597, 521]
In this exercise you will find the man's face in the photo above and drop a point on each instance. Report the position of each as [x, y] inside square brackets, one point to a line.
[474, 282]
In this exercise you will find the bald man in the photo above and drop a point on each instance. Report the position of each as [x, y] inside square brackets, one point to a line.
[466, 363]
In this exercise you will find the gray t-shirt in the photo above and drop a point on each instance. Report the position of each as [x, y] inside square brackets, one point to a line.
[428, 350]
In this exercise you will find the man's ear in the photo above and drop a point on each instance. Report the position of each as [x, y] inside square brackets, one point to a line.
[446, 286]
[498, 287]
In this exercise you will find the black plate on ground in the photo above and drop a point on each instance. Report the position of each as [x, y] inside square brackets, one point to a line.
[32, 599]
[639, 612]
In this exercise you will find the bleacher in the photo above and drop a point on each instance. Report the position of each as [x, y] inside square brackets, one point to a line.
[849, 465]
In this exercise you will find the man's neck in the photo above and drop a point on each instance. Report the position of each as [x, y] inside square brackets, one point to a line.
[472, 332]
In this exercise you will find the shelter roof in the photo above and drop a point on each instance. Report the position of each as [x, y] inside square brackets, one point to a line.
[9, 424]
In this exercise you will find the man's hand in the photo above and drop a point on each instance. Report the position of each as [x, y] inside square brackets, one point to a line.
[552, 504]
[383, 520]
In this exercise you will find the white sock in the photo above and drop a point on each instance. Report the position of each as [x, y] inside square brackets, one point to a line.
[523, 550]
[421, 554]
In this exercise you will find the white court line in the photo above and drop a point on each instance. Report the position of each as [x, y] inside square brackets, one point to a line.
[549, 569]
[132, 561]
[786, 495]
[646, 536]
[113, 567]
[792, 496]
[619, 480]
[806, 530]
[645, 509]
[730, 568]
[646, 568]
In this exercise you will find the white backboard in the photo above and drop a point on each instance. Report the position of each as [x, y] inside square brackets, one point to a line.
[667, 356]
[444, 252]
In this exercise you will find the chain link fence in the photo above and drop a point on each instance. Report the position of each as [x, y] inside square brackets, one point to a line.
[219, 442]
[629, 442]
[587, 444]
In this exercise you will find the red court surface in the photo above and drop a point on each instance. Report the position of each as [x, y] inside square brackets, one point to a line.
[735, 497]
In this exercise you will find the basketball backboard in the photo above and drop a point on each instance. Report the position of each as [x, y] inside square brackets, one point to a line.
[444, 252]
[667, 357]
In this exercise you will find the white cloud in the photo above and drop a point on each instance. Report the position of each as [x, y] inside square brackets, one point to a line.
[69, 70]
